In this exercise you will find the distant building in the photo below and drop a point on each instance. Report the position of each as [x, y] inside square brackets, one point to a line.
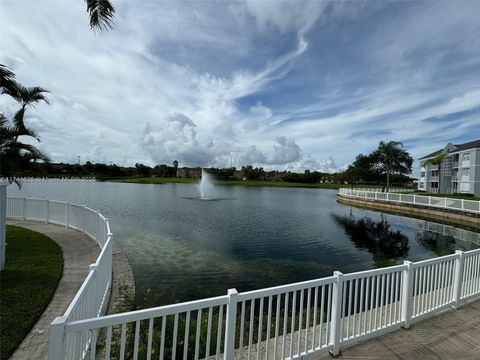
[193, 173]
[453, 169]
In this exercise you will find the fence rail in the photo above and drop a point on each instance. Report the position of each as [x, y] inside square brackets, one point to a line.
[379, 189]
[92, 297]
[471, 206]
[284, 322]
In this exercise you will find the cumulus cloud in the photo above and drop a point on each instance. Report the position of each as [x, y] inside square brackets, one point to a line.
[286, 151]
[325, 166]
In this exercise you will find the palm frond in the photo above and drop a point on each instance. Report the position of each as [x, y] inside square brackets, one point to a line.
[7, 78]
[101, 14]
[27, 151]
[27, 95]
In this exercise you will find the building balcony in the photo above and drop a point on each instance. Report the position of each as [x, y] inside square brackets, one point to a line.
[433, 167]
[433, 179]
[455, 164]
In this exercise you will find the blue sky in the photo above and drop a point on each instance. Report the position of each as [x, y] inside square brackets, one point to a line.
[279, 84]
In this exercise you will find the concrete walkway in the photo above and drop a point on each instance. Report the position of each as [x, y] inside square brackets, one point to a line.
[454, 334]
[78, 251]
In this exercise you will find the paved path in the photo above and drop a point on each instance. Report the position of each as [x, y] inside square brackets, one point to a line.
[78, 251]
[454, 334]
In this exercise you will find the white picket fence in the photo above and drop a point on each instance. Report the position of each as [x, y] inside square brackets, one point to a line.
[92, 298]
[292, 321]
[379, 189]
[471, 206]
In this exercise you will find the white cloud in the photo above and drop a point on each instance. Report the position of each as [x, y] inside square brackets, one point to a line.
[285, 15]
[286, 151]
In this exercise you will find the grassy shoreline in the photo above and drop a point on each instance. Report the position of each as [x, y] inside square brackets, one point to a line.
[254, 183]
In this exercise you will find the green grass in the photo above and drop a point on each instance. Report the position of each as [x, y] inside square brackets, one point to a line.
[255, 183]
[155, 180]
[453, 196]
[33, 269]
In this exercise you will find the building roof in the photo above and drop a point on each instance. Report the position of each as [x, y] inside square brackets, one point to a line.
[458, 147]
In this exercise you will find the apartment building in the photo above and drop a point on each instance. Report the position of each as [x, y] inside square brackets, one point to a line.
[453, 169]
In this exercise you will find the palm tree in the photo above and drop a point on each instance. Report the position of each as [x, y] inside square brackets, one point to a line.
[15, 155]
[101, 14]
[390, 157]
[26, 96]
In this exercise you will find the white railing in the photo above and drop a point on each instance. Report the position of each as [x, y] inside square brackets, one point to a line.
[471, 206]
[92, 297]
[284, 322]
[290, 321]
[379, 189]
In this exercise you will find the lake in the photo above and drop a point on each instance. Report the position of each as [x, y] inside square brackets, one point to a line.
[183, 248]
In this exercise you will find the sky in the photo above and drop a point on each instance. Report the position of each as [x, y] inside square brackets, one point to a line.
[279, 84]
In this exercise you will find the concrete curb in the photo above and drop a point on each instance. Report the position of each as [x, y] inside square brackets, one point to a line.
[446, 215]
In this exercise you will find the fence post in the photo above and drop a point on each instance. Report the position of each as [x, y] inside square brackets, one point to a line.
[56, 339]
[407, 294]
[230, 323]
[414, 198]
[97, 236]
[84, 218]
[47, 211]
[457, 285]
[463, 207]
[429, 200]
[67, 223]
[337, 310]
[24, 209]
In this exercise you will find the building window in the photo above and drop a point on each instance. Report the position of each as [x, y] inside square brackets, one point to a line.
[466, 172]
[422, 174]
[466, 157]
[422, 185]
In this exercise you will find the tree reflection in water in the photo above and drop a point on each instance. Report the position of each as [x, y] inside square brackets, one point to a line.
[386, 245]
[438, 243]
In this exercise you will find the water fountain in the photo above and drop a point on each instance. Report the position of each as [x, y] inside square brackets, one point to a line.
[207, 188]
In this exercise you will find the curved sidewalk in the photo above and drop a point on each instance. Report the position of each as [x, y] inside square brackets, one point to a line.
[78, 252]
[454, 334]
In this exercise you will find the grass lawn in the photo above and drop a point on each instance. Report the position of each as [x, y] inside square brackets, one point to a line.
[152, 180]
[453, 196]
[33, 269]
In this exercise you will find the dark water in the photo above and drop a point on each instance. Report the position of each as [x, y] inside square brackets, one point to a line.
[186, 249]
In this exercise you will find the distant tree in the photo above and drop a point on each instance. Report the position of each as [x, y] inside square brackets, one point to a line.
[252, 173]
[175, 166]
[143, 170]
[362, 170]
[390, 158]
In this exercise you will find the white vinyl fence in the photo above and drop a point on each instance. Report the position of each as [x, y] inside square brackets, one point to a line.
[379, 189]
[471, 206]
[284, 322]
[92, 297]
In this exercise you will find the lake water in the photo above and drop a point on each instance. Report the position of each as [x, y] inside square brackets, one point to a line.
[185, 249]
